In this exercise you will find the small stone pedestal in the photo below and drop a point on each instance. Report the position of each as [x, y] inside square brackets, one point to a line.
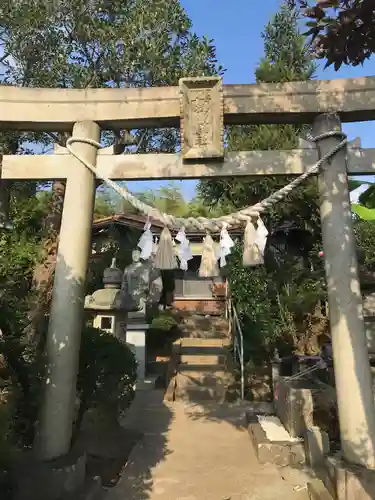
[136, 340]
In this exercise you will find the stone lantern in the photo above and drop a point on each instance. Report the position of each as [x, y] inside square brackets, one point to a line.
[105, 305]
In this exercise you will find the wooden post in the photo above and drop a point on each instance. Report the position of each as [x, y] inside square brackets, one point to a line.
[66, 320]
[350, 354]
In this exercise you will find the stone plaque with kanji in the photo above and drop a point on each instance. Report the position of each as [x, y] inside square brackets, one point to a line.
[202, 118]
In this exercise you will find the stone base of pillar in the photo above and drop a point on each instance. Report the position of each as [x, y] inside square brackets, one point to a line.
[136, 340]
[345, 481]
[35, 480]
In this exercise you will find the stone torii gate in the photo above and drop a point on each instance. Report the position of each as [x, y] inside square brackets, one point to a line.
[201, 107]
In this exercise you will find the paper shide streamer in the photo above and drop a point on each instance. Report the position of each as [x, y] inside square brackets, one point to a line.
[185, 253]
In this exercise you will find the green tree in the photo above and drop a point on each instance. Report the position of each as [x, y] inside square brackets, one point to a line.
[105, 206]
[286, 59]
[269, 301]
[342, 31]
[167, 199]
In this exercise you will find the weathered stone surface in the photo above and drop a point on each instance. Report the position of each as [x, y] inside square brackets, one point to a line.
[292, 102]
[171, 166]
[352, 370]
[65, 321]
[294, 406]
[316, 446]
[275, 452]
[202, 118]
[317, 490]
[348, 482]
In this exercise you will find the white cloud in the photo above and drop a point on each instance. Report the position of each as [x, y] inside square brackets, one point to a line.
[356, 193]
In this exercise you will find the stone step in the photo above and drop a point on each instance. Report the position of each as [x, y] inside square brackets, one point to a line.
[199, 359]
[203, 350]
[204, 379]
[196, 333]
[199, 342]
[200, 368]
[204, 327]
[196, 394]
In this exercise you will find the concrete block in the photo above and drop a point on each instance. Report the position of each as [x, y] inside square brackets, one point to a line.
[276, 452]
[316, 446]
[348, 482]
[294, 405]
[136, 340]
[317, 490]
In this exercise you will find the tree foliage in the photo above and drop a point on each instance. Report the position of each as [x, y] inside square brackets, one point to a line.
[274, 308]
[276, 314]
[341, 31]
[170, 199]
[286, 59]
[71, 44]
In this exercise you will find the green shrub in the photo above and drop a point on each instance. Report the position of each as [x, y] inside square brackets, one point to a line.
[107, 373]
[164, 321]
[275, 307]
[106, 378]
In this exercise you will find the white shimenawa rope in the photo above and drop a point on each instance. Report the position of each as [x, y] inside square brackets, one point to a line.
[202, 224]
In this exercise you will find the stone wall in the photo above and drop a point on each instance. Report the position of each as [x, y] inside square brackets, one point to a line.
[301, 403]
[294, 406]
[214, 306]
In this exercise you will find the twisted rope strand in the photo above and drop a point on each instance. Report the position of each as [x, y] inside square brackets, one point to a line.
[202, 224]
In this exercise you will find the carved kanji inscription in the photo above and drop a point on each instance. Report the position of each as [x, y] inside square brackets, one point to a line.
[202, 118]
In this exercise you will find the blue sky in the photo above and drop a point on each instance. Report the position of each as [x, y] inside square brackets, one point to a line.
[236, 29]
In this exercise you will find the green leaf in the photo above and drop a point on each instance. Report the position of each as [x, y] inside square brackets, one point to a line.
[363, 212]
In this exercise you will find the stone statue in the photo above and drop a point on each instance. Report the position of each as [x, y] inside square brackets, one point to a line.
[156, 283]
[136, 284]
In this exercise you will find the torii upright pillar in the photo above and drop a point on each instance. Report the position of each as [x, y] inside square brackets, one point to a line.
[66, 320]
[350, 352]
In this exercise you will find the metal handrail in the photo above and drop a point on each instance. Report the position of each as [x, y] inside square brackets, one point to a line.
[235, 331]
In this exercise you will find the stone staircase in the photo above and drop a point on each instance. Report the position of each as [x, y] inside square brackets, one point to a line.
[202, 367]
